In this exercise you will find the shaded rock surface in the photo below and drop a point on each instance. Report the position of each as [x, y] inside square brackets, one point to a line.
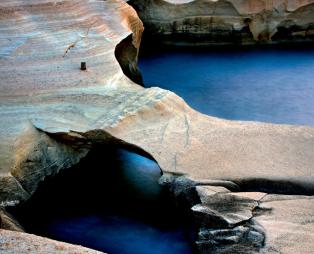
[253, 222]
[9, 223]
[203, 22]
[52, 112]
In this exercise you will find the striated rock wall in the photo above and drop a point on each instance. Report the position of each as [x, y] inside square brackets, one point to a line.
[42, 44]
[205, 22]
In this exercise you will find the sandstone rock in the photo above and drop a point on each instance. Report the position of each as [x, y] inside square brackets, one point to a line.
[225, 221]
[180, 139]
[17, 242]
[43, 59]
[52, 112]
[226, 21]
[8, 222]
[254, 222]
[289, 225]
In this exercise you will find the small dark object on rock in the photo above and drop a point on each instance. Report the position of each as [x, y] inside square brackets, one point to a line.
[83, 66]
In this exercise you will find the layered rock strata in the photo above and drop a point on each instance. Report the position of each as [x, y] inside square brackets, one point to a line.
[52, 113]
[209, 22]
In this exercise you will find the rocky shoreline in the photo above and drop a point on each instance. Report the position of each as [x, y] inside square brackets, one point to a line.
[52, 113]
[227, 22]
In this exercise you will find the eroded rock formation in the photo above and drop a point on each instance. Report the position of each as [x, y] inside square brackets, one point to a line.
[207, 22]
[52, 112]
[245, 222]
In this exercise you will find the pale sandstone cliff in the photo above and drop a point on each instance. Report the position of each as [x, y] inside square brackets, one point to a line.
[52, 112]
[207, 22]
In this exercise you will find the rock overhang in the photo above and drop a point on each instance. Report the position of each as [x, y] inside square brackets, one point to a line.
[44, 95]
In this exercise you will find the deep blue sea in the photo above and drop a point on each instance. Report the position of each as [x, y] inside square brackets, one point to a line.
[268, 84]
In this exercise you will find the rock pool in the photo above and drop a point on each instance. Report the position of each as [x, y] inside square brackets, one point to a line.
[110, 202]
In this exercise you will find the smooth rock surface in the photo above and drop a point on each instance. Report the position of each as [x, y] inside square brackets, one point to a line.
[159, 122]
[17, 242]
[51, 112]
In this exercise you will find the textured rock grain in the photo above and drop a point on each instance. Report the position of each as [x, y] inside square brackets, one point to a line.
[209, 22]
[17, 242]
[253, 222]
[51, 112]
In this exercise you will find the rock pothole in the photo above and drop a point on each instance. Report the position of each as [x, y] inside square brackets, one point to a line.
[110, 201]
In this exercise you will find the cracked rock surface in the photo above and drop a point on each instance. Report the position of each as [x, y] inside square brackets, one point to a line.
[51, 112]
[253, 222]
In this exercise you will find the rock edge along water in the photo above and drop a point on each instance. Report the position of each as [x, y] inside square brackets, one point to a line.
[223, 22]
[52, 112]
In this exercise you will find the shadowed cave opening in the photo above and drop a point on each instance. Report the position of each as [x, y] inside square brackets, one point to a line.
[256, 83]
[111, 201]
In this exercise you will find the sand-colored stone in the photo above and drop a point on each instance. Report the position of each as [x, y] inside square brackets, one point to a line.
[255, 6]
[219, 22]
[289, 224]
[263, 223]
[42, 88]
[18, 243]
[51, 112]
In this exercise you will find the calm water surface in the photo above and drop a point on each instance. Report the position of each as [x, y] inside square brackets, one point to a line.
[113, 203]
[269, 85]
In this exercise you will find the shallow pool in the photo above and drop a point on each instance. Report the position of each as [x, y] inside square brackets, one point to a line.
[269, 85]
[110, 202]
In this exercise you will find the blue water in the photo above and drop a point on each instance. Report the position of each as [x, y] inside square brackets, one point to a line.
[111, 202]
[268, 85]
[120, 234]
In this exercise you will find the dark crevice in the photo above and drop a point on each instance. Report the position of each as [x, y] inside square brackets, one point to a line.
[127, 55]
[277, 186]
[97, 137]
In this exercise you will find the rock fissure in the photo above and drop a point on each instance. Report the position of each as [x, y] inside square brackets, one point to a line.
[77, 41]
